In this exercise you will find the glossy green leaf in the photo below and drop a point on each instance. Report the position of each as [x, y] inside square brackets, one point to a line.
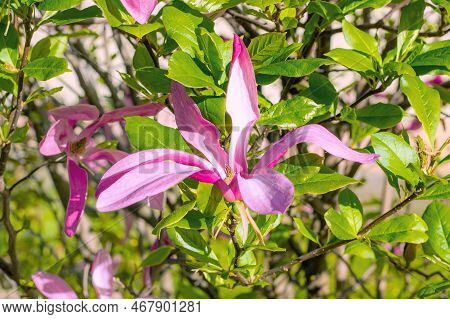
[49, 46]
[294, 68]
[321, 90]
[437, 191]
[9, 44]
[425, 101]
[380, 115]
[157, 256]
[438, 59]
[301, 167]
[214, 50]
[433, 289]
[145, 133]
[56, 5]
[210, 6]
[46, 68]
[141, 30]
[306, 231]
[74, 15]
[339, 225]
[352, 5]
[411, 21]
[361, 249]
[396, 155]
[351, 208]
[265, 46]
[327, 10]
[173, 217]
[212, 108]
[437, 217]
[324, 182]
[351, 59]
[405, 228]
[360, 40]
[114, 12]
[292, 113]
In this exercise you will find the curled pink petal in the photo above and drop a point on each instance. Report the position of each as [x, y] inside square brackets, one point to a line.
[318, 135]
[103, 274]
[266, 191]
[78, 182]
[56, 139]
[197, 131]
[82, 112]
[95, 154]
[141, 182]
[52, 286]
[206, 174]
[149, 109]
[140, 10]
[241, 104]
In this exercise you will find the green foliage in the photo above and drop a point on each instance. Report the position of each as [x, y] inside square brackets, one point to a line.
[437, 217]
[46, 68]
[406, 228]
[157, 257]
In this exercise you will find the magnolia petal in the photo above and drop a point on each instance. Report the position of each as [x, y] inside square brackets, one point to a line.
[52, 286]
[241, 104]
[157, 201]
[318, 135]
[56, 139]
[197, 131]
[266, 191]
[95, 154]
[149, 109]
[141, 182]
[140, 10]
[132, 161]
[78, 182]
[82, 112]
[102, 275]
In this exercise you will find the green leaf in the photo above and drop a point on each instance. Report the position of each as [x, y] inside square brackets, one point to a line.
[174, 217]
[349, 6]
[351, 59]
[157, 256]
[339, 225]
[19, 135]
[41, 93]
[212, 108]
[180, 23]
[437, 217]
[182, 68]
[154, 79]
[265, 46]
[437, 191]
[406, 228]
[380, 115]
[438, 59]
[398, 69]
[56, 5]
[214, 50]
[321, 90]
[306, 231]
[46, 68]
[74, 15]
[323, 183]
[141, 30]
[192, 243]
[425, 101]
[210, 6]
[294, 68]
[301, 167]
[411, 21]
[145, 133]
[360, 40]
[328, 11]
[433, 289]
[114, 12]
[9, 44]
[396, 156]
[50, 46]
[351, 208]
[8, 82]
[292, 113]
[361, 249]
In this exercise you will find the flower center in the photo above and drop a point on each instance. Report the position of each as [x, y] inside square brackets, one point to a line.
[79, 147]
[230, 175]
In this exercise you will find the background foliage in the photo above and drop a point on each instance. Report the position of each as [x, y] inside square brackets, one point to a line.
[371, 71]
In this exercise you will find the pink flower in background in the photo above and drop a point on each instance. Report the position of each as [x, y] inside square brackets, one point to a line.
[102, 273]
[264, 190]
[61, 138]
[140, 10]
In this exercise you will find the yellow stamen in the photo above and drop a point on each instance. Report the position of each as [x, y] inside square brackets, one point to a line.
[79, 147]
[230, 175]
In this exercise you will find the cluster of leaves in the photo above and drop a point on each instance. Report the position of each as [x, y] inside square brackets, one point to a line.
[206, 232]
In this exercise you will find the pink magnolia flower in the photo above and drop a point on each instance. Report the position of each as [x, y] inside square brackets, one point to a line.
[140, 10]
[61, 138]
[53, 287]
[263, 190]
